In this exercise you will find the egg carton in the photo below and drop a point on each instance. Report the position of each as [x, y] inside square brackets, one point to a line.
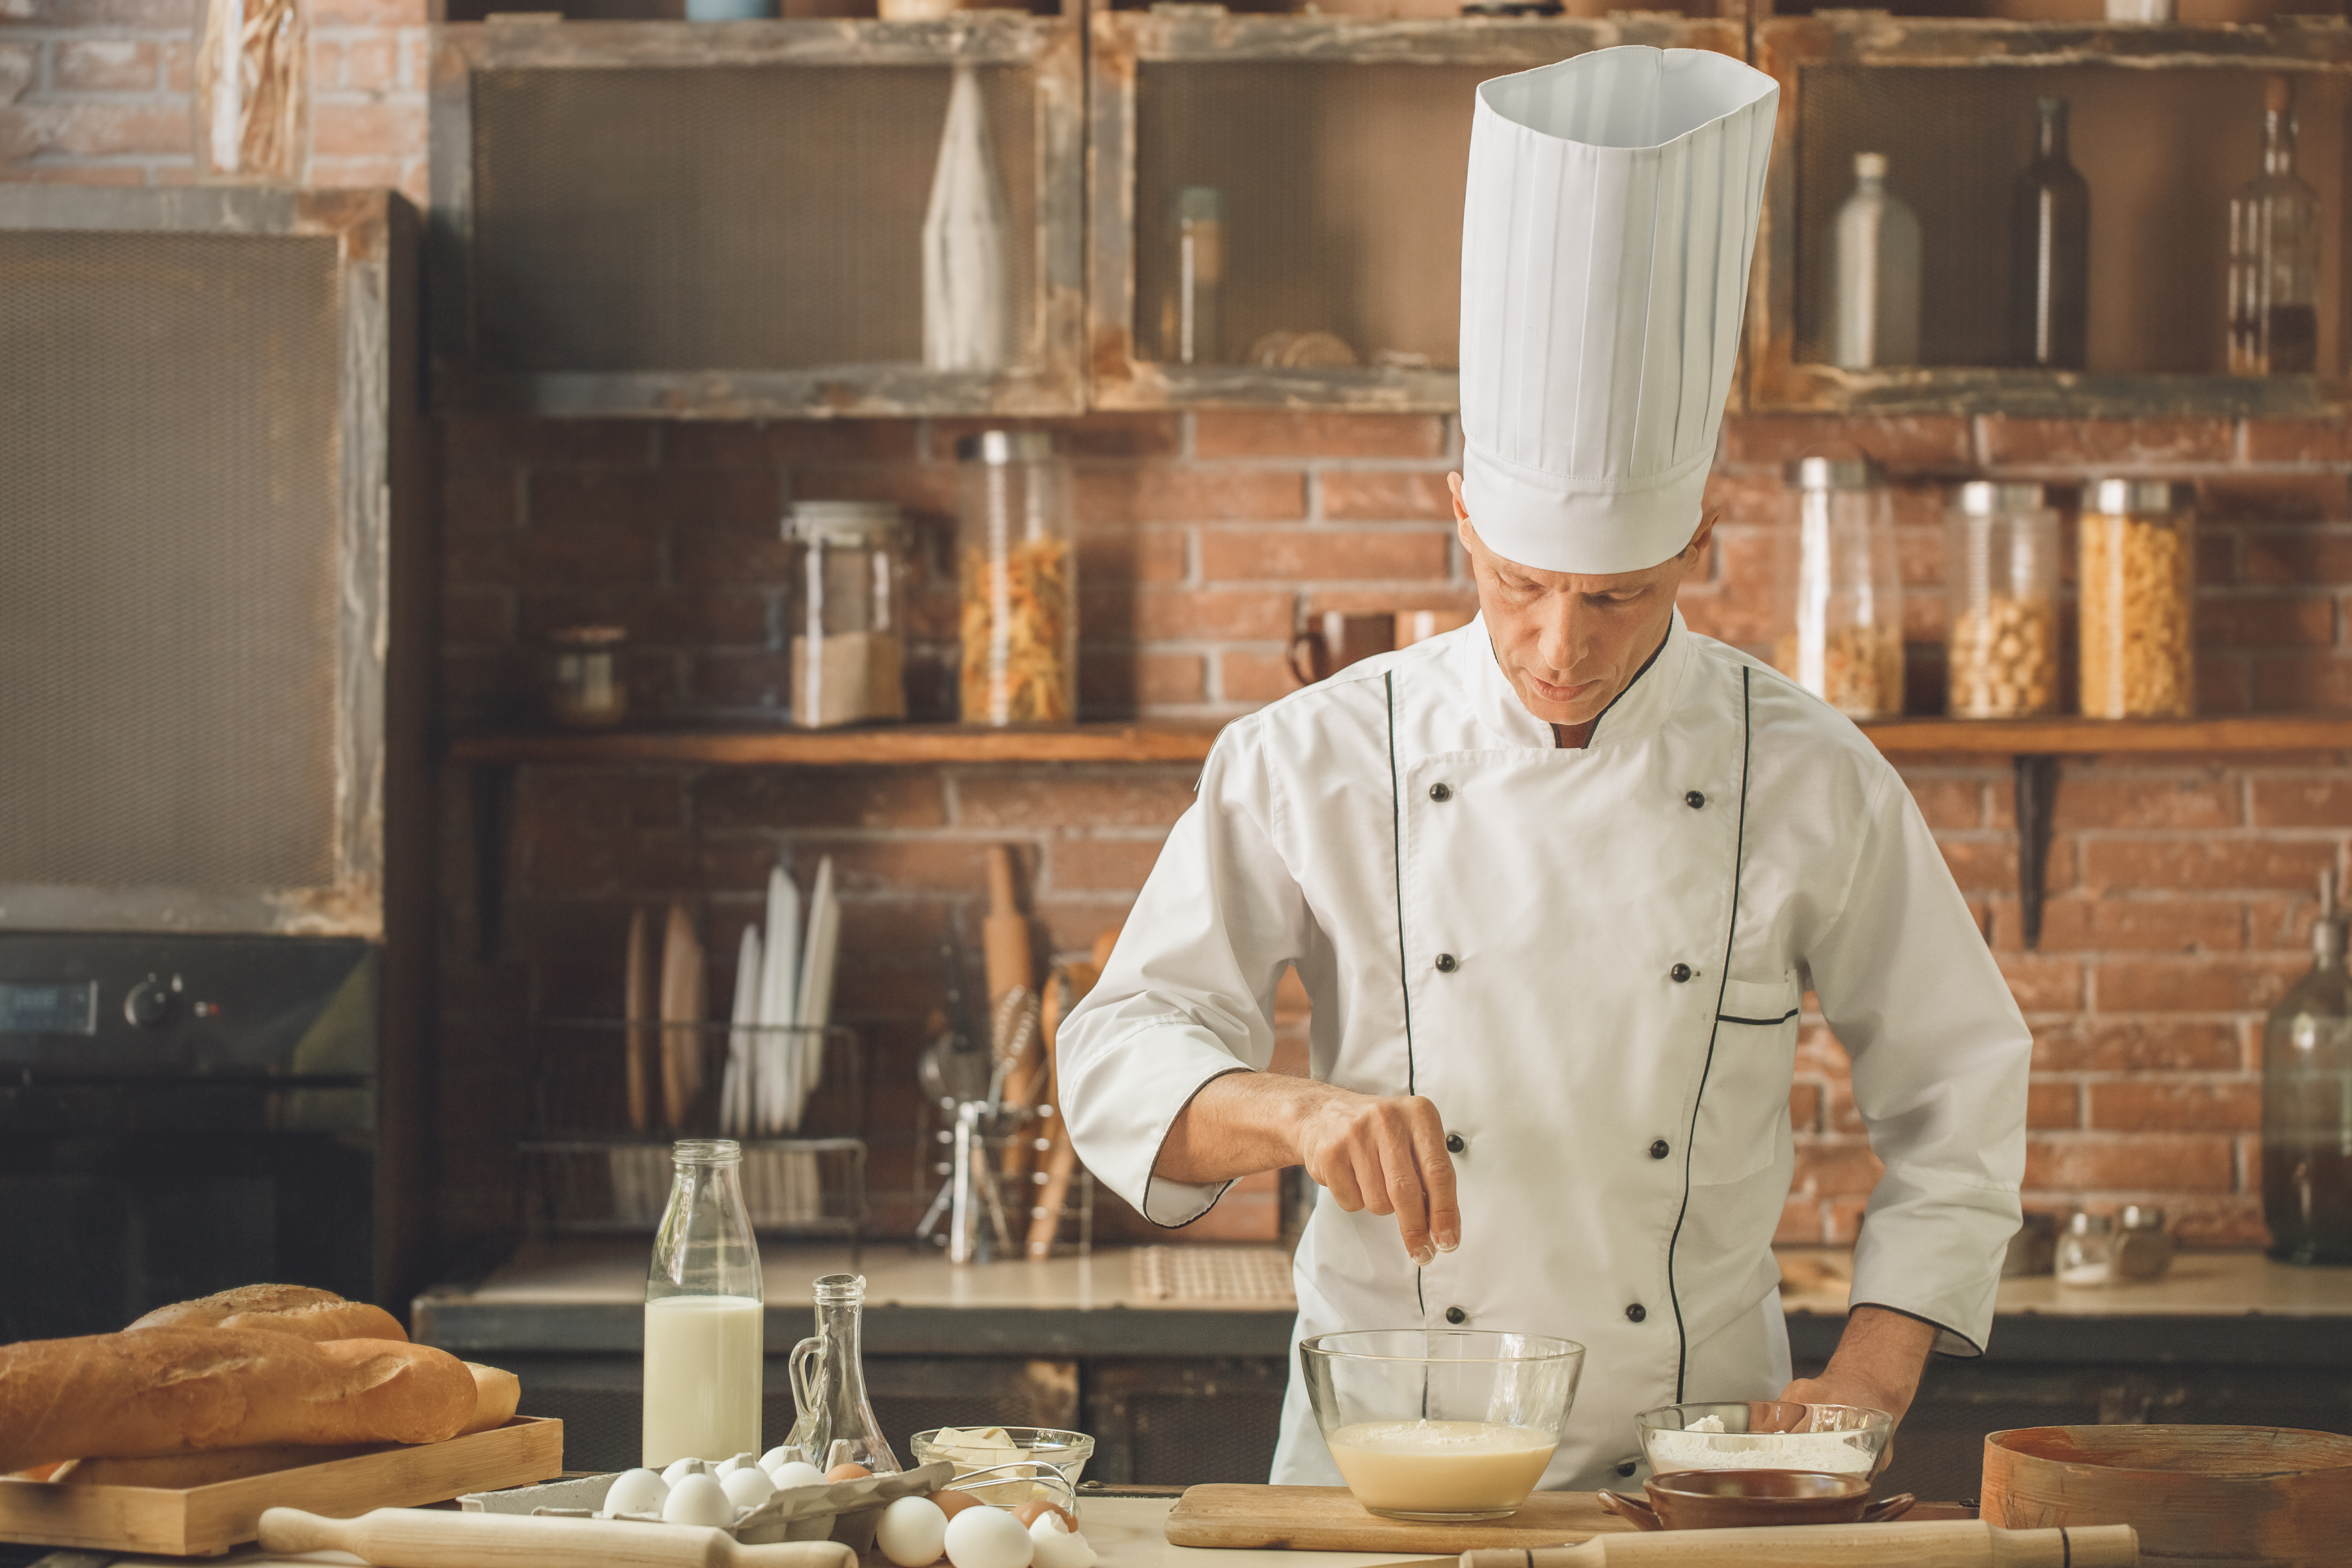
[845, 1512]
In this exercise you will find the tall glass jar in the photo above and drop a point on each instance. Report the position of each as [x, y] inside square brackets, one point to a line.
[702, 1384]
[848, 619]
[2001, 578]
[1842, 587]
[2307, 1103]
[2274, 231]
[1019, 579]
[836, 1424]
[2137, 590]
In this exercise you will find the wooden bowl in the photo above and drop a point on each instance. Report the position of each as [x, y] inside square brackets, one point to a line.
[1726, 1499]
[2220, 1497]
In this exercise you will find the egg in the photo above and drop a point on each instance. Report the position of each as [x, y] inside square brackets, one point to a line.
[698, 1500]
[1029, 1512]
[796, 1473]
[747, 1487]
[911, 1532]
[684, 1468]
[988, 1537]
[848, 1472]
[1056, 1545]
[726, 1468]
[636, 1491]
[782, 1453]
[952, 1502]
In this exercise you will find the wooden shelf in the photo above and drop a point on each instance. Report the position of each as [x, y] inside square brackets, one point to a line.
[897, 746]
[920, 744]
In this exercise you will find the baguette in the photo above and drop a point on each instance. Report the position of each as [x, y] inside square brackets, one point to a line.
[315, 1315]
[497, 1394]
[165, 1391]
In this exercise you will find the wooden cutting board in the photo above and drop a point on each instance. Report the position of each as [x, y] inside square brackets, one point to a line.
[206, 1520]
[1326, 1518]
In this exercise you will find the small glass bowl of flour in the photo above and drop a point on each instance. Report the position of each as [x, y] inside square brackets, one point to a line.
[1764, 1435]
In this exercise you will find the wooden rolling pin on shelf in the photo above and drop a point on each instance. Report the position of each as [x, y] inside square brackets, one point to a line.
[1942, 1543]
[425, 1538]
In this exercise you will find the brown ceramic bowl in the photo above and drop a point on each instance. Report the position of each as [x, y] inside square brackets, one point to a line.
[1724, 1499]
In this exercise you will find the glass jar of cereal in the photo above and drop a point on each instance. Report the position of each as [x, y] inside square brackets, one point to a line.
[1842, 588]
[2136, 583]
[2001, 579]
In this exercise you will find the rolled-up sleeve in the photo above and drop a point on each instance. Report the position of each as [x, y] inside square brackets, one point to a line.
[1188, 993]
[1940, 1056]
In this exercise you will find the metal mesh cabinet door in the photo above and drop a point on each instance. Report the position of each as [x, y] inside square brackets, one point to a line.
[2167, 123]
[1335, 152]
[196, 415]
[689, 220]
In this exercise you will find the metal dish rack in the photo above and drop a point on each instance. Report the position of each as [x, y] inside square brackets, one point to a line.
[587, 1168]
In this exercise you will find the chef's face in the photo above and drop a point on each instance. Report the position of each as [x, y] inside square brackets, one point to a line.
[1569, 643]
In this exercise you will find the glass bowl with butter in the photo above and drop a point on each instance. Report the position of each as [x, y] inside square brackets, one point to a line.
[1764, 1435]
[1008, 1466]
[1446, 1424]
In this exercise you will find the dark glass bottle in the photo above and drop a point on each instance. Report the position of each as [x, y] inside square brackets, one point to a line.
[2307, 1103]
[2049, 255]
[2274, 257]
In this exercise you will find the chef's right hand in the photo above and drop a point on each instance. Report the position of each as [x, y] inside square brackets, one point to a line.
[1385, 1154]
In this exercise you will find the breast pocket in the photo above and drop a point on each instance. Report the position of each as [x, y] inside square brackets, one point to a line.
[1743, 1110]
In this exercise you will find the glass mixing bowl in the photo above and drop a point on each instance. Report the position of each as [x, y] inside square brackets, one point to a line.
[1448, 1425]
[1764, 1435]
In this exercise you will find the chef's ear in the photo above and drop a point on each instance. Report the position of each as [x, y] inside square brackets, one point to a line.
[1695, 550]
[1461, 511]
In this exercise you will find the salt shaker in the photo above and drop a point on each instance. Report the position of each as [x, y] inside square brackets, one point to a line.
[2143, 1246]
[2086, 1251]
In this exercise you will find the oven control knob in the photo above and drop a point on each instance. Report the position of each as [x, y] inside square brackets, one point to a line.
[149, 1004]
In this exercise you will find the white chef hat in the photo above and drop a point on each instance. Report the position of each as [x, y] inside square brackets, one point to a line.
[1605, 241]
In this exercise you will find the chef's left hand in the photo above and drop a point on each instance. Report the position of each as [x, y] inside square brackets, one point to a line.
[1879, 1361]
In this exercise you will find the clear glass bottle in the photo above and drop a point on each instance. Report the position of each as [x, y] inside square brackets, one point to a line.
[848, 617]
[702, 1378]
[586, 690]
[1842, 587]
[2001, 578]
[837, 1422]
[1873, 314]
[1191, 318]
[2050, 252]
[253, 91]
[2136, 586]
[1019, 581]
[2274, 256]
[2086, 1250]
[2307, 1103]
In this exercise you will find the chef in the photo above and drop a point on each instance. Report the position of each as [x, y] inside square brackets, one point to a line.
[1556, 883]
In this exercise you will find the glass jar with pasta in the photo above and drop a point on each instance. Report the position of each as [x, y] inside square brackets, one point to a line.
[1841, 635]
[2002, 575]
[1019, 581]
[2135, 583]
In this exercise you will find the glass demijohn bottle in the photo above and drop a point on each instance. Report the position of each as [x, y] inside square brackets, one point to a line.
[837, 1422]
[1875, 285]
[702, 1389]
[2307, 1103]
[2049, 256]
[2274, 256]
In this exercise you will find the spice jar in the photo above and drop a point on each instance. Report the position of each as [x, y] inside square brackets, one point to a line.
[848, 626]
[584, 689]
[1019, 581]
[2086, 1250]
[2143, 1246]
[2001, 577]
[2137, 584]
[1842, 588]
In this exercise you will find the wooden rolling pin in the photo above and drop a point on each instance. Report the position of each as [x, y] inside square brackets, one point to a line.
[1938, 1543]
[432, 1538]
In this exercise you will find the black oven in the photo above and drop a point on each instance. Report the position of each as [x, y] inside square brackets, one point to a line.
[180, 1114]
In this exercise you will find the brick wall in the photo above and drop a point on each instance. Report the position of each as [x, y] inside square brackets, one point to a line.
[2180, 887]
[101, 92]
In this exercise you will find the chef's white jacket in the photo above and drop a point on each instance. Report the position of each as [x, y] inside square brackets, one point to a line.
[1591, 962]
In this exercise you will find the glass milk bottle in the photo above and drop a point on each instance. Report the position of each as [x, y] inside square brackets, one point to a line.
[1875, 287]
[702, 1314]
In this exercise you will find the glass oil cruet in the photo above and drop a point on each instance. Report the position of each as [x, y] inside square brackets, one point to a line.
[2274, 254]
[702, 1384]
[2307, 1102]
[837, 1422]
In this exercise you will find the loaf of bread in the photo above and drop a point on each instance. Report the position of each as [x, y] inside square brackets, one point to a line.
[496, 1395]
[164, 1391]
[316, 1315]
